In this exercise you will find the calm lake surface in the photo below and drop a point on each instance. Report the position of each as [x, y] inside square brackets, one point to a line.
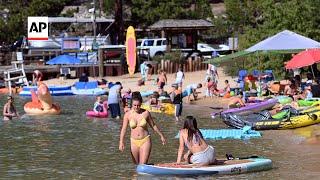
[72, 146]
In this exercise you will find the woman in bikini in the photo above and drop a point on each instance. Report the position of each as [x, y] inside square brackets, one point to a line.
[138, 119]
[9, 110]
[199, 152]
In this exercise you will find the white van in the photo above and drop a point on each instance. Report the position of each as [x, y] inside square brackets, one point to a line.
[156, 47]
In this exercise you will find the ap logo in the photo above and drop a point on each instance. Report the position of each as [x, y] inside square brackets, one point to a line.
[38, 28]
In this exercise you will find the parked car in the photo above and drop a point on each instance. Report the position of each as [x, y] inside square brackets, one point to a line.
[152, 47]
[207, 51]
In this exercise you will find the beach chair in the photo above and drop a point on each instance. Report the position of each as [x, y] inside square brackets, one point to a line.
[256, 73]
[270, 76]
[241, 75]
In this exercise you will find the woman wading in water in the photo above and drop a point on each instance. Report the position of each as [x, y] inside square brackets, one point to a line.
[9, 111]
[138, 119]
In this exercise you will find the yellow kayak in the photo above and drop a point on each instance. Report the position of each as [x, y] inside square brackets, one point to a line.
[166, 108]
[309, 117]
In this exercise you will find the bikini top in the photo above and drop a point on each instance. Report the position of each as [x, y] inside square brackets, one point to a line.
[143, 123]
[195, 140]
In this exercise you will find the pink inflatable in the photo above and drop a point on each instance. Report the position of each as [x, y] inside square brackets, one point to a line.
[103, 114]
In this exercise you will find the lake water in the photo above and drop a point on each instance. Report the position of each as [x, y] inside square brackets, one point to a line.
[72, 146]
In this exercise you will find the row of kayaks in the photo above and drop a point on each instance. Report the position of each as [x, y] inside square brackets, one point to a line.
[258, 117]
[286, 119]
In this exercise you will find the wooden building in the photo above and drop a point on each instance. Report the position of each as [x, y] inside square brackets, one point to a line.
[181, 33]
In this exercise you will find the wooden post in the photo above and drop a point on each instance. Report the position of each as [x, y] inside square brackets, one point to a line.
[190, 64]
[162, 64]
[100, 56]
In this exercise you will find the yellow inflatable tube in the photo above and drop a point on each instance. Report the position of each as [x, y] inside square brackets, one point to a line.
[166, 108]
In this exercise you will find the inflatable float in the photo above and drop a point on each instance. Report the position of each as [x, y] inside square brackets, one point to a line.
[103, 114]
[219, 134]
[54, 90]
[166, 108]
[250, 108]
[236, 166]
[41, 103]
[88, 88]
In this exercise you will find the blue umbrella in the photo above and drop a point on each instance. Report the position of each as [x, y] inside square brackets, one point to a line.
[64, 59]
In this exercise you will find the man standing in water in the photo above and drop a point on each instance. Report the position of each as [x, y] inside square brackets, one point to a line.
[9, 111]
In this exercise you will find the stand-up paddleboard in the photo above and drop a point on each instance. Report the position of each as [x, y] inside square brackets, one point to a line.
[131, 50]
[237, 166]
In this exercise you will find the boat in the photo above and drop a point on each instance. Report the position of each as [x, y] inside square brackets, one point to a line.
[289, 120]
[236, 166]
[54, 90]
[249, 109]
[166, 108]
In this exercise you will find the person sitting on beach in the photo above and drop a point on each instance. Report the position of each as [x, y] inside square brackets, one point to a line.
[83, 78]
[138, 120]
[98, 105]
[237, 101]
[307, 94]
[223, 92]
[9, 110]
[192, 90]
[291, 89]
[309, 79]
[199, 152]
[127, 100]
[154, 99]
[176, 99]
[315, 89]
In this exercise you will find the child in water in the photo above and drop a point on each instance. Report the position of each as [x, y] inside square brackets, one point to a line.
[127, 100]
[98, 105]
[153, 101]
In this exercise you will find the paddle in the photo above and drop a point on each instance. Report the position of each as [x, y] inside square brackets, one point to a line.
[216, 108]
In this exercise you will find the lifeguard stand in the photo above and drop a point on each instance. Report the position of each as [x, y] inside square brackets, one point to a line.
[16, 73]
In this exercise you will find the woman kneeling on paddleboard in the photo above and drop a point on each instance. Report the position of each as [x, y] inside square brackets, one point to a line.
[138, 120]
[199, 152]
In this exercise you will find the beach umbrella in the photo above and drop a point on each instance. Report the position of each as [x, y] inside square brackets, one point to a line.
[64, 59]
[304, 58]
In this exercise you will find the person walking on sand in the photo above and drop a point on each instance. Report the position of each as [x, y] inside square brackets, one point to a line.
[162, 80]
[138, 120]
[199, 152]
[212, 73]
[179, 77]
[9, 110]
[176, 98]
